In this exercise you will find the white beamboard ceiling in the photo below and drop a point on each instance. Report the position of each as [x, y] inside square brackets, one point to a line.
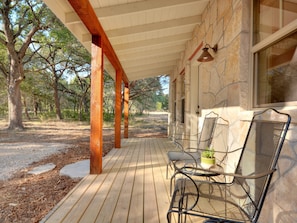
[148, 36]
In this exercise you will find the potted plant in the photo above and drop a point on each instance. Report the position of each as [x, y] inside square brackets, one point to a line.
[208, 158]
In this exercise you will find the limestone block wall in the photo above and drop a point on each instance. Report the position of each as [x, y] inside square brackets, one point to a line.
[223, 83]
[224, 88]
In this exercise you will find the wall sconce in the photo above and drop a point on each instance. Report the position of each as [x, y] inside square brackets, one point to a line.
[205, 56]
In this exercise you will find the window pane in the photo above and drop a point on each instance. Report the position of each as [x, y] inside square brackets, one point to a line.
[277, 72]
[289, 11]
[272, 15]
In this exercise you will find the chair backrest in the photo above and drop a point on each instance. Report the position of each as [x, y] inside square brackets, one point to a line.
[206, 134]
[220, 141]
[260, 154]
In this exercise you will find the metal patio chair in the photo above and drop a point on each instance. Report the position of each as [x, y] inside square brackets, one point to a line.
[220, 145]
[204, 140]
[242, 199]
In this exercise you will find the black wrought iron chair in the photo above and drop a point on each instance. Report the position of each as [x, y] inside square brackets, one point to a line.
[204, 140]
[242, 199]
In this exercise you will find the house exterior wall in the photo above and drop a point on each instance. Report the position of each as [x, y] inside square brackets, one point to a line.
[224, 87]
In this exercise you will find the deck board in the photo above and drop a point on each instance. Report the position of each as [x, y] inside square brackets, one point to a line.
[132, 188]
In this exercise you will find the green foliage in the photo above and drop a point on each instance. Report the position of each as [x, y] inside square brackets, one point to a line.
[162, 101]
[75, 116]
[108, 117]
[145, 93]
[108, 94]
[158, 106]
[56, 61]
[3, 110]
[44, 116]
[208, 153]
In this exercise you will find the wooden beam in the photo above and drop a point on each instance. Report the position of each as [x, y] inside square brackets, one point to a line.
[86, 13]
[118, 109]
[96, 136]
[126, 110]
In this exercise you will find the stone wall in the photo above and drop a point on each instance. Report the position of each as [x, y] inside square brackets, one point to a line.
[224, 88]
[223, 82]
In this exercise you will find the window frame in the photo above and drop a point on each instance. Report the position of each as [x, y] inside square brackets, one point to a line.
[265, 43]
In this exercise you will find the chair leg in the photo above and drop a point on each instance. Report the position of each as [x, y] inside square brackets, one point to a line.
[172, 182]
[167, 171]
[167, 168]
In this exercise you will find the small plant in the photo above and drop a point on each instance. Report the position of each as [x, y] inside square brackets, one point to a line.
[207, 158]
[208, 153]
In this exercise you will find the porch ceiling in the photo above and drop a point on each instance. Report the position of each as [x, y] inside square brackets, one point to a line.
[147, 36]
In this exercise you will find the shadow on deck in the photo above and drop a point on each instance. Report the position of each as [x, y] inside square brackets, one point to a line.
[132, 188]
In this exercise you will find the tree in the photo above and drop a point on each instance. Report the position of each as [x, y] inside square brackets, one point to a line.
[81, 68]
[35, 92]
[78, 90]
[60, 56]
[143, 93]
[21, 20]
[109, 94]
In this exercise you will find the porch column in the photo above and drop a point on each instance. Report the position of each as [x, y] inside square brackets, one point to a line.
[118, 109]
[126, 110]
[96, 144]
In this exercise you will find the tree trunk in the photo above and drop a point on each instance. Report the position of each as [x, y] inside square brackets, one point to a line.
[15, 106]
[14, 95]
[26, 109]
[57, 102]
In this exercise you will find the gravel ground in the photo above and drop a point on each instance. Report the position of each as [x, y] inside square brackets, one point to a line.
[27, 198]
[17, 156]
[20, 148]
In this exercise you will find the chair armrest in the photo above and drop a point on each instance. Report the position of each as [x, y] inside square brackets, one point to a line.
[235, 150]
[251, 176]
[183, 194]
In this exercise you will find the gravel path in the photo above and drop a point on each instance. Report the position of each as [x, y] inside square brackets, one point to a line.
[17, 156]
[18, 149]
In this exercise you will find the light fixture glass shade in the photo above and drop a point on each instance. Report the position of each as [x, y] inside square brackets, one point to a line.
[205, 56]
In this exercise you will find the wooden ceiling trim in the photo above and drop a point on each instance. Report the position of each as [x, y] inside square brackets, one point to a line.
[163, 25]
[196, 51]
[179, 38]
[134, 7]
[85, 11]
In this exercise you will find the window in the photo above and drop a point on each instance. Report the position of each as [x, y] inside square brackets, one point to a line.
[277, 72]
[272, 15]
[275, 54]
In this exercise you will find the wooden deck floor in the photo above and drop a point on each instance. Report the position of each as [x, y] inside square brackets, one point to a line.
[132, 188]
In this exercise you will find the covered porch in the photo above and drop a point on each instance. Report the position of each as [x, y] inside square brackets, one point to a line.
[132, 187]
[144, 39]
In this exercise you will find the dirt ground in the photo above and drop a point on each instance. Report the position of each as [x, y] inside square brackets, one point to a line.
[28, 198]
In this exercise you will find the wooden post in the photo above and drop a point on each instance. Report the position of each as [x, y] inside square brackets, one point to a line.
[96, 137]
[126, 110]
[118, 109]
